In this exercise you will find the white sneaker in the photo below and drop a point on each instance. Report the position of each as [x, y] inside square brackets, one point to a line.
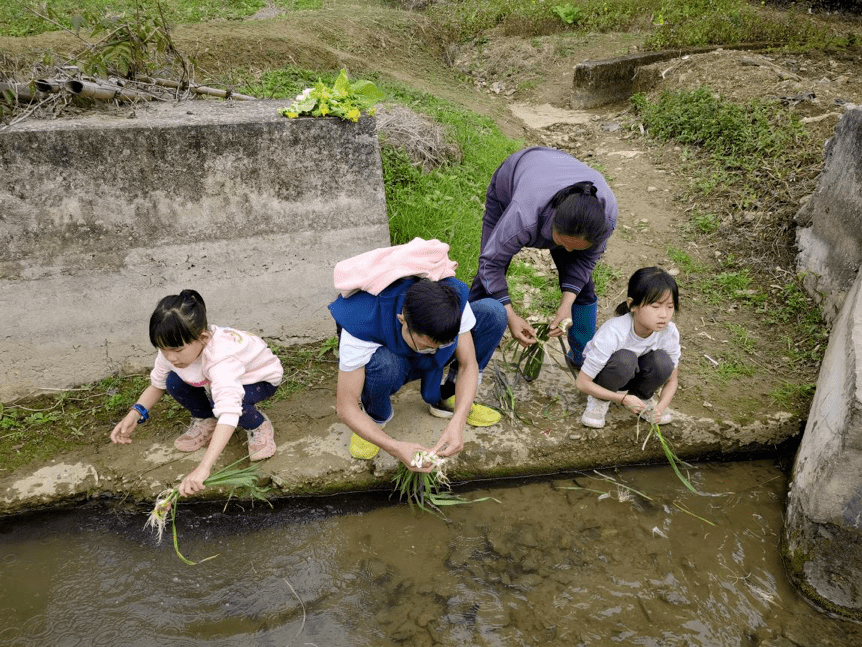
[666, 416]
[594, 415]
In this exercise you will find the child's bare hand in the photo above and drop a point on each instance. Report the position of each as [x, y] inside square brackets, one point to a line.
[634, 404]
[194, 481]
[122, 433]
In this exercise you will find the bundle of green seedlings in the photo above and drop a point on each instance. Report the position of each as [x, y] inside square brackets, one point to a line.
[242, 480]
[424, 488]
[675, 461]
[533, 357]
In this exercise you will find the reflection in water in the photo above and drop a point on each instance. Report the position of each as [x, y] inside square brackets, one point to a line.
[547, 565]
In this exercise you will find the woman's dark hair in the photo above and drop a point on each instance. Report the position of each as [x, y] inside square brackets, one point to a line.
[178, 319]
[648, 285]
[578, 213]
[432, 309]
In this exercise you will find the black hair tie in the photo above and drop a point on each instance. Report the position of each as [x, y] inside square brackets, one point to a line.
[579, 188]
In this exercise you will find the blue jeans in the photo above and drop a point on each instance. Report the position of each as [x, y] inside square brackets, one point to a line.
[640, 376]
[198, 402]
[387, 372]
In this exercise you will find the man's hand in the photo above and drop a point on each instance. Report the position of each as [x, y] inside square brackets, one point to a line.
[451, 441]
[405, 452]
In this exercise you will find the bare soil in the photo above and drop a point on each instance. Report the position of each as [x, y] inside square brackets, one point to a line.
[524, 85]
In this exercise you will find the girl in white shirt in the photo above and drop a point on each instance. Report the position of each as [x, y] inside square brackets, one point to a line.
[635, 353]
[218, 374]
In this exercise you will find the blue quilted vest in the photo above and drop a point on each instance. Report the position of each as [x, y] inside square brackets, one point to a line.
[373, 318]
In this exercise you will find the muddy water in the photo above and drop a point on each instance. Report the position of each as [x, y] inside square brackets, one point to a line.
[547, 565]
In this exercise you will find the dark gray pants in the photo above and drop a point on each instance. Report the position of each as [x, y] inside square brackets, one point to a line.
[640, 376]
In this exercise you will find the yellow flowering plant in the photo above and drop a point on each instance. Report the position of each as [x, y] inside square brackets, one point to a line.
[344, 99]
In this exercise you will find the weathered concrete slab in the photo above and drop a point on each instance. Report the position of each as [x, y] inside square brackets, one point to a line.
[100, 218]
[312, 455]
[830, 233]
[823, 527]
[599, 83]
[608, 81]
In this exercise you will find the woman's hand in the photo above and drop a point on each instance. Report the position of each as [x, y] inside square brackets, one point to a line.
[562, 316]
[521, 330]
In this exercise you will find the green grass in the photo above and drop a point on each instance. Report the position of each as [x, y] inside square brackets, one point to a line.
[24, 19]
[447, 203]
[793, 396]
[738, 138]
[42, 427]
[740, 338]
[667, 23]
[729, 368]
[684, 261]
[603, 276]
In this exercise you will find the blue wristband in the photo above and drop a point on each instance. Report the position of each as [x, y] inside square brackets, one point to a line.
[145, 415]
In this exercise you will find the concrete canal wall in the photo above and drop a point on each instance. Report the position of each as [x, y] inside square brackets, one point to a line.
[823, 529]
[101, 217]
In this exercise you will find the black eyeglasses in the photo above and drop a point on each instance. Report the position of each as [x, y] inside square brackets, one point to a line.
[421, 351]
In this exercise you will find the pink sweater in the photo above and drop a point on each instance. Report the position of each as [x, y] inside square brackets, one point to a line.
[230, 360]
[375, 270]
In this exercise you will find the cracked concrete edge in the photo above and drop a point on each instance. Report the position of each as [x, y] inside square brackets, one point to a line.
[319, 464]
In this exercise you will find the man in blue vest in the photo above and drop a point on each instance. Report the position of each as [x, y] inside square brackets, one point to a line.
[412, 330]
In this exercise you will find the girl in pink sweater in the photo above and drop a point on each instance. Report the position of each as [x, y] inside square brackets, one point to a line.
[218, 374]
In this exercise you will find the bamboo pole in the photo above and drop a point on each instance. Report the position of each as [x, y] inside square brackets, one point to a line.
[49, 86]
[197, 89]
[22, 92]
[104, 92]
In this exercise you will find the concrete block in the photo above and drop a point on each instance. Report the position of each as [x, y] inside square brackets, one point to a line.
[100, 218]
[830, 236]
[823, 527]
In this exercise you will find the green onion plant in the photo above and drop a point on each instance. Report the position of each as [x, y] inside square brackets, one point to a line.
[237, 479]
[424, 488]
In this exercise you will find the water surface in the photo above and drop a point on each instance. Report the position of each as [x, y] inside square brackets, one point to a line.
[547, 565]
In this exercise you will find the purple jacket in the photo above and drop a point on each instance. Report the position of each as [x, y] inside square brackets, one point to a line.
[518, 214]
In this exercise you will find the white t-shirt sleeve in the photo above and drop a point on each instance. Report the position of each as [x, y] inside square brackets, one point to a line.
[354, 353]
[468, 320]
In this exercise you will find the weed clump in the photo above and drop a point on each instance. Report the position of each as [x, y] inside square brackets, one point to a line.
[426, 143]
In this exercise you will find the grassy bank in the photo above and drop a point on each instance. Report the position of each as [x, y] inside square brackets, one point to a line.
[668, 23]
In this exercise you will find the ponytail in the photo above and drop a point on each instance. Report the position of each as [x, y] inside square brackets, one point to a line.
[579, 213]
[178, 319]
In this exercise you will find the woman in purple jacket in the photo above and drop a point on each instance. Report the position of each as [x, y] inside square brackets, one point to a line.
[546, 199]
